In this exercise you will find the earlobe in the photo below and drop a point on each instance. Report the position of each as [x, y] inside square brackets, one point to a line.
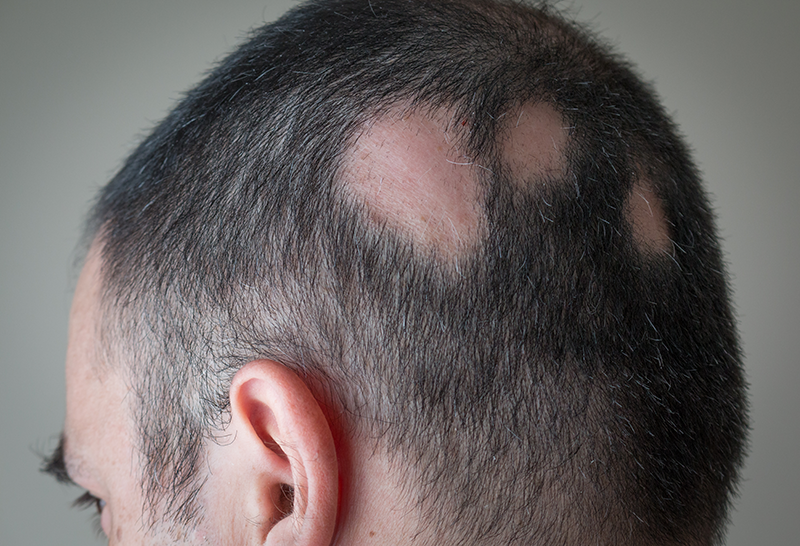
[279, 422]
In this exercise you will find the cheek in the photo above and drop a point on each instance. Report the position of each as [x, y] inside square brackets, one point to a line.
[124, 519]
[121, 527]
[105, 521]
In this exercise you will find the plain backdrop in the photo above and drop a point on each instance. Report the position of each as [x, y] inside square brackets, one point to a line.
[81, 81]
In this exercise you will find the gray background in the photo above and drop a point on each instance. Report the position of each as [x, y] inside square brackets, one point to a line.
[80, 81]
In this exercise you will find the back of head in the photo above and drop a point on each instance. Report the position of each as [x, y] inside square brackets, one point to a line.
[540, 337]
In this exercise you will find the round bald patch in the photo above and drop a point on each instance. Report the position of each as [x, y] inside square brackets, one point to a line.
[536, 138]
[409, 172]
[648, 221]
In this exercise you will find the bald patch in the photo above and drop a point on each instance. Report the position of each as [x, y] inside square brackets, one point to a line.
[535, 140]
[409, 171]
[649, 225]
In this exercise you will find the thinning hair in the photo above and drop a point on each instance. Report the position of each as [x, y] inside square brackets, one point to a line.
[558, 380]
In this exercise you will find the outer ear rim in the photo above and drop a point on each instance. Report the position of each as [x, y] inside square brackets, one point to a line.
[294, 420]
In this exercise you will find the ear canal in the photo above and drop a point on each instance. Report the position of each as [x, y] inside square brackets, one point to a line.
[285, 500]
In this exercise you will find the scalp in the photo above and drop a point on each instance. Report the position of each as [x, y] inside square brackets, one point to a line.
[644, 212]
[535, 141]
[412, 174]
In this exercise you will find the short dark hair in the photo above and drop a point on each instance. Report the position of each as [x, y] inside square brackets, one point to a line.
[556, 383]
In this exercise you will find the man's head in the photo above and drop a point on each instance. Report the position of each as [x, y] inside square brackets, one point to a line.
[443, 263]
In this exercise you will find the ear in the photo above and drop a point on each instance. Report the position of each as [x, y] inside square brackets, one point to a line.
[284, 443]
